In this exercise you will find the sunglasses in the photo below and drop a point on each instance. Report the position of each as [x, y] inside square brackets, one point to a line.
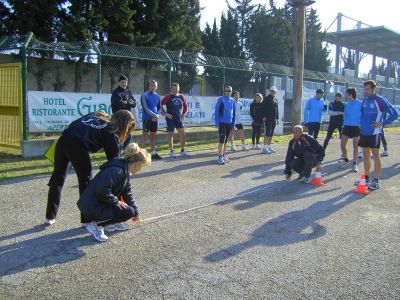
[228, 91]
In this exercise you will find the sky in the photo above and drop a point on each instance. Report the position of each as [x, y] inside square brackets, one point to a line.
[371, 12]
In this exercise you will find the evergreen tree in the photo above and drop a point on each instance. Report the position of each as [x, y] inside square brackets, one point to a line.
[42, 17]
[316, 56]
[4, 17]
[270, 38]
[349, 60]
[243, 12]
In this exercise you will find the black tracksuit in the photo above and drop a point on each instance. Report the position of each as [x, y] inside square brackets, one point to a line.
[86, 135]
[335, 122]
[256, 113]
[100, 198]
[270, 113]
[303, 154]
[122, 99]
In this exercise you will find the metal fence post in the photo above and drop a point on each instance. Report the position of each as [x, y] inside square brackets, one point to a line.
[99, 83]
[223, 79]
[169, 69]
[24, 85]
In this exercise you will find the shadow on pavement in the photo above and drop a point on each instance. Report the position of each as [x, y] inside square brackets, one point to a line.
[289, 228]
[42, 251]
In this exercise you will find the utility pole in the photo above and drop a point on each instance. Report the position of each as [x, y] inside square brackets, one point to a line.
[299, 38]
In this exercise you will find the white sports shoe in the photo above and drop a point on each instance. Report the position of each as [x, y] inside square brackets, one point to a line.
[185, 154]
[253, 147]
[266, 150]
[116, 227]
[96, 231]
[258, 147]
[233, 148]
[270, 149]
[244, 147]
[221, 160]
[49, 222]
[355, 168]
[172, 154]
[226, 160]
[385, 153]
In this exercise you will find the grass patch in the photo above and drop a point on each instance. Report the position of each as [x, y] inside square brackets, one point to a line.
[12, 165]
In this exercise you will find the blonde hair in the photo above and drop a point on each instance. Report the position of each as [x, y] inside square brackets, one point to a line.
[102, 116]
[258, 94]
[122, 123]
[134, 154]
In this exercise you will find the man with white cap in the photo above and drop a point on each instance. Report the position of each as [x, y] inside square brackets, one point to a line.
[270, 118]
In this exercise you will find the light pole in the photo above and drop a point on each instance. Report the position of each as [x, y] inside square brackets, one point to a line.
[298, 55]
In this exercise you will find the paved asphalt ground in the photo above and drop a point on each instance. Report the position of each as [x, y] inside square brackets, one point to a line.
[257, 235]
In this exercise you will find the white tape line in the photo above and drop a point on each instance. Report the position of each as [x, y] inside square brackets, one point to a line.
[202, 206]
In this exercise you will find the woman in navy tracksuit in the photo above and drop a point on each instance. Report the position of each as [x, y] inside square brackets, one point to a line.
[85, 135]
[101, 200]
[225, 121]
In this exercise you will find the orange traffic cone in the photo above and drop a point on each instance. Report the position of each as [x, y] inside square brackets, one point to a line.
[362, 186]
[317, 180]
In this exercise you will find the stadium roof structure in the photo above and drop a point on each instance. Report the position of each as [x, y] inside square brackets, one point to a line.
[379, 41]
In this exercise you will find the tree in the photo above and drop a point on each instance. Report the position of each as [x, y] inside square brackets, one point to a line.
[316, 56]
[243, 11]
[349, 60]
[42, 17]
[270, 37]
[4, 16]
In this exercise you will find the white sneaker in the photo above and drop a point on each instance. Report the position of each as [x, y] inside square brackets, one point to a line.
[354, 168]
[233, 148]
[185, 154]
[258, 147]
[49, 222]
[116, 227]
[221, 160]
[253, 147]
[266, 150]
[385, 153]
[270, 149]
[306, 180]
[226, 160]
[244, 147]
[96, 231]
[360, 155]
[172, 154]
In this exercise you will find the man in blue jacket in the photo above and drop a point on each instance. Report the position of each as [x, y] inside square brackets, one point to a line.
[373, 110]
[224, 120]
[313, 113]
[151, 105]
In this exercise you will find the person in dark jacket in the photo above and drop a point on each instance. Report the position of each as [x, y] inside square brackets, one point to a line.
[122, 99]
[101, 200]
[304, 153]
[256, 113]
[336, 111]
[270, 118]
[85, 135]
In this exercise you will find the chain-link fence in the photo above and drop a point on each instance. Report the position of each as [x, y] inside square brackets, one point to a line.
[92, 66]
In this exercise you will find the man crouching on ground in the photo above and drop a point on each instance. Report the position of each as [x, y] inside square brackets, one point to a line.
[304, 153]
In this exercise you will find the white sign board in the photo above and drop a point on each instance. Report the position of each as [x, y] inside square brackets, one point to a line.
[54, 111]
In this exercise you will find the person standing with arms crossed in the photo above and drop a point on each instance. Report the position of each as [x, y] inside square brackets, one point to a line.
[351, 127]
[373, 109]
[313, 113]
[336, 111]
[122, 98]
[174, 108]
[238, 123]
[270, 118]
[225, 121]
[151, 105]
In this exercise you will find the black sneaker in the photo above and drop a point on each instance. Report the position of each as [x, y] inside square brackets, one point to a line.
[156, 156]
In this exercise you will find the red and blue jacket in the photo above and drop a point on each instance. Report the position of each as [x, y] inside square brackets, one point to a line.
[373, 109]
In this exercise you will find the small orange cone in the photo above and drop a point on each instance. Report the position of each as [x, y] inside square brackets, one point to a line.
[362, 186]
[317, 180]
